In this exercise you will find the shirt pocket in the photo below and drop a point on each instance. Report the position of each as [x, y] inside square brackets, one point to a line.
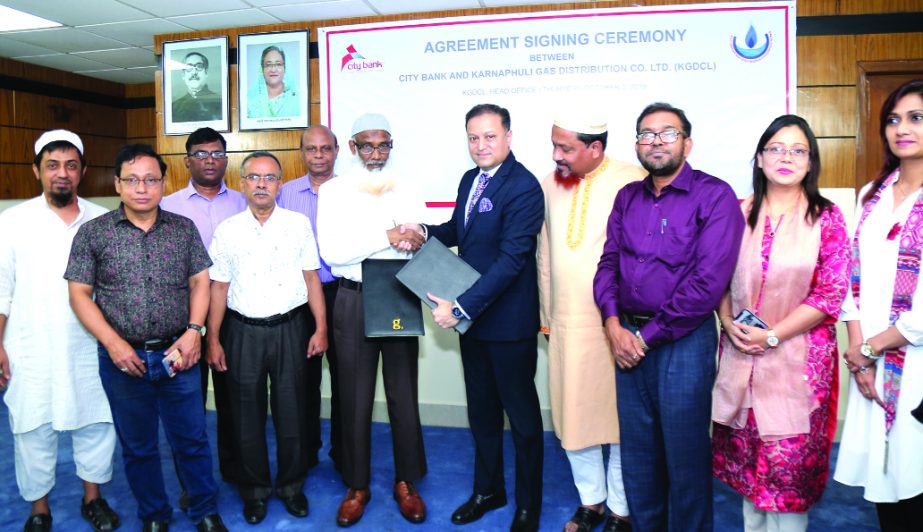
[676, 245]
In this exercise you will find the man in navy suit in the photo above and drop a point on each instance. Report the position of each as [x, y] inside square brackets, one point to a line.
[498, 213]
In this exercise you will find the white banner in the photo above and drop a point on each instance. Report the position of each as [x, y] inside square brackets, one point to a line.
[731, 67]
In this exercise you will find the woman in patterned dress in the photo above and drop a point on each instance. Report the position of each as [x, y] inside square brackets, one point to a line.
[774, 403]
[882, 444]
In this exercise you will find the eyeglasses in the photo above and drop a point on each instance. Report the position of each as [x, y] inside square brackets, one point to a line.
[133, 182]
[780, 151]
[273, 66]
[383, 148]
[667, 137]
[268, 178]
[328, 149]
[195, 67]
[202, 154]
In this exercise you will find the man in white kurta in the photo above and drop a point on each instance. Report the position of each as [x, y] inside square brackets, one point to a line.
[47, 359]
[357, 218]
[581, 371]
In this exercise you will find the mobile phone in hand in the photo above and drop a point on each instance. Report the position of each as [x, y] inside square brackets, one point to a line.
[172, 362]
[747, 317]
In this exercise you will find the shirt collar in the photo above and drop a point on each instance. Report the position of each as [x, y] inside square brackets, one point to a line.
[682, 181]
[121, 218]
[191, 191]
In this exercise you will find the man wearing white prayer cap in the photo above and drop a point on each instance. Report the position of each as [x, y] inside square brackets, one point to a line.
[581, 371]
[48, 360]
[357, 218]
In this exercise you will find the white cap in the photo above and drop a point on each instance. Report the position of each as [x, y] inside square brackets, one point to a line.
[579, 124]
[370, 122]
[55, 135]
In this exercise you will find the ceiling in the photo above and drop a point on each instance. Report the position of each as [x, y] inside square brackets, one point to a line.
[114, 39]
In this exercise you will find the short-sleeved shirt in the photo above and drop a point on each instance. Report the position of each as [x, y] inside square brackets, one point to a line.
[140, 279]
[264, 264]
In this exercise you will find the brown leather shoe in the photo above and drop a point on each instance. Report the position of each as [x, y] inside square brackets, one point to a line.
[353, 506]
[409, 501]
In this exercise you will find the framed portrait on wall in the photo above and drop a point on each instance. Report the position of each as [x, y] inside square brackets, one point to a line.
[195, 85]
[272, 80]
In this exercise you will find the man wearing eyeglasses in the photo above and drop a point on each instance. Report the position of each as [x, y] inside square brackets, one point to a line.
[199, 104]
[207, 201]
[319, 150]
[672, 242]
[138, 281]
[264, 285]
[358, 216]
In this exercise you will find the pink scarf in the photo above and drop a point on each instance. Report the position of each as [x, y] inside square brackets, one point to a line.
[773, 384]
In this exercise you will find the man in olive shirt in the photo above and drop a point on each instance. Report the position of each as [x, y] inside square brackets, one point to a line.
[148, 271]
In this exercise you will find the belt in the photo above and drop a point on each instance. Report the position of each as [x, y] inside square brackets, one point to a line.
[157, 344]
[269, 321]
[637, 320]
[349, 284]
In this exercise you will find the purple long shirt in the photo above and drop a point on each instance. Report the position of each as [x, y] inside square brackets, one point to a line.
[205, 213]
[297, 195]
[670, 256]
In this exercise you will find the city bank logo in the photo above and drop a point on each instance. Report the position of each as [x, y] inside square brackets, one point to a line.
[353, 60]
[752, 48]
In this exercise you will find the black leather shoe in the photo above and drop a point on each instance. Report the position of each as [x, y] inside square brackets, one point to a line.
[255, 510]
[478, 505]
[100, 515]
[296, 505]
[38, 523]
[586, 518]
[156, 526]
[525, 521]
[614, 524]
[211, 523]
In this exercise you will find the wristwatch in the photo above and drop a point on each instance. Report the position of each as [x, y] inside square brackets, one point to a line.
[868, 352]
[771, 339]
[196, 327]
[456, 311]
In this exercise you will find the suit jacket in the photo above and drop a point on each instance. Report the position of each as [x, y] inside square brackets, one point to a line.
[500, 243]
[207, 106]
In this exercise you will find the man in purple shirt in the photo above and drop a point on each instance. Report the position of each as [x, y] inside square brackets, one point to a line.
[208, 201]
[672, 242]
[319, 151]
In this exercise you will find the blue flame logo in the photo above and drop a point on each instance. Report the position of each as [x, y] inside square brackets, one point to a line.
[751, 49]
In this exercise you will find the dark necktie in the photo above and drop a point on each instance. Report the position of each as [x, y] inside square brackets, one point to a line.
[483, 180]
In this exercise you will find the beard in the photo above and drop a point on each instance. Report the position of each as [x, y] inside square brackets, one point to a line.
[568, 181]
[663, 167]
[61, 198]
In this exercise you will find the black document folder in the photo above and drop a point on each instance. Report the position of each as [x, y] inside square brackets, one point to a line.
[389, 309]
[435, 269]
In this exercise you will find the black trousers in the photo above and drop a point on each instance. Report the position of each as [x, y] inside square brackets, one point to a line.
[357, 373]
[227, 461]
[279, 352]
[500, 376]
[901, 516]
[313, 375]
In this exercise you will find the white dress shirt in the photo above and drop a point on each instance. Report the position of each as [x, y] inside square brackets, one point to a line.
[352, 224]
[53, 358]
[264, 264]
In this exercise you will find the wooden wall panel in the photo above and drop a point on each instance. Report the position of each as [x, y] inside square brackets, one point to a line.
[816, 8]
[858, 7]
[7, 97]
[139, 125]
[881, 47]
[17, 145]
[41, 112]
[831, 111]
[59, 78]
[838, 157]
[18, 181]
[827, 60]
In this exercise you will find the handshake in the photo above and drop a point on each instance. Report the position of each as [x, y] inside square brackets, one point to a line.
[406, 237]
